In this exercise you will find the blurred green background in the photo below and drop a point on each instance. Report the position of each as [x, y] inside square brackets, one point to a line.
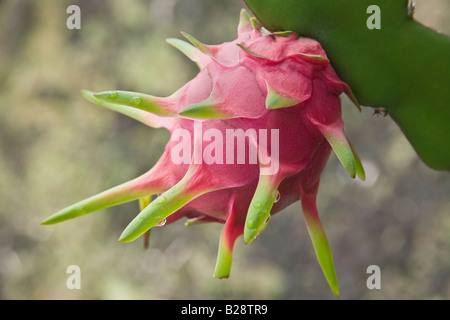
[56, 149]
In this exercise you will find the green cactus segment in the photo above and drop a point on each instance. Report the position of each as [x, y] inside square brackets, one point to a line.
[259, 210]
[403, 66]
[188, 50]
[275, 100]
[136, 100]
[320, 241]
[118, 195]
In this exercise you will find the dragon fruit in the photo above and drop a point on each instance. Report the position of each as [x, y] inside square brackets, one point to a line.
[250, 135]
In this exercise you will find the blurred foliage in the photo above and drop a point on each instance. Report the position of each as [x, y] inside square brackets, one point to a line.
[56, 149]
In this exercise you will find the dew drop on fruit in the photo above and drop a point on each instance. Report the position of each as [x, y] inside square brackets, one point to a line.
[162, 222]
[257, 205]
[160, 200]
[278, 197]
[251, 223]
[136, 101]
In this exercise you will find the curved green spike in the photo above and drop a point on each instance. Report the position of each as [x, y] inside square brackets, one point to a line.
[155, 212]
[349, 93]
[320, 241]
[283, 33]
[253, 54]
[314, 58]
[199, 45]
[256, 24]
[275, 100]
[341, 147]
[123, 193]
[162, 207]
[137, 114]
[207, 109]
[188, 50]
[360, 172]
[245, 23]
[259, 210]
[136, 100]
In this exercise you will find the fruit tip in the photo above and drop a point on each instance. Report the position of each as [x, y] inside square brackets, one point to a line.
[102, 95]
[336, 295]
[249, 236]
[89, 95]
[50, 220]
[124, 238]
[348, 91]
[128, 235]
[335, 292]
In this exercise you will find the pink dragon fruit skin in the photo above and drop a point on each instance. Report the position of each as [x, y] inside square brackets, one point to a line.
[262, 82]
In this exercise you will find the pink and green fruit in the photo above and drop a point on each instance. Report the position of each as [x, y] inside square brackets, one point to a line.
[250, 135]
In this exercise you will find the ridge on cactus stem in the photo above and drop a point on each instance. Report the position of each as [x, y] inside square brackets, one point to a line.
[250, 135]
